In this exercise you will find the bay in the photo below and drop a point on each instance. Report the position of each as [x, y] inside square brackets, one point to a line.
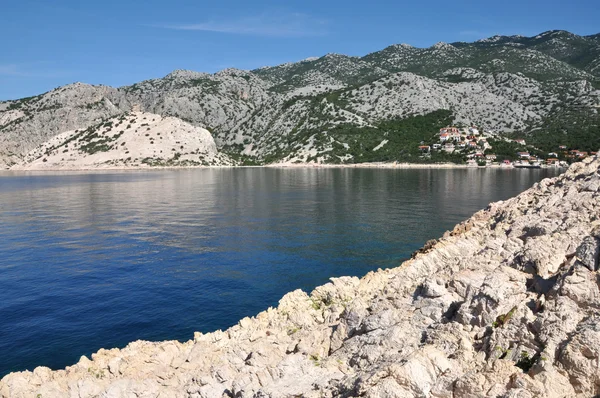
[100, 259]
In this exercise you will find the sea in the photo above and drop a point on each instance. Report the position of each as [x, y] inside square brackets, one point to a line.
[92, 260]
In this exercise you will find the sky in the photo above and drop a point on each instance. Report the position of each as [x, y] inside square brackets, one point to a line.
[48, 43]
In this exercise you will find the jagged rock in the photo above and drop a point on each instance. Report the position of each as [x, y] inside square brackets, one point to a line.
[579, 357]
[507, 305]
[588, 253]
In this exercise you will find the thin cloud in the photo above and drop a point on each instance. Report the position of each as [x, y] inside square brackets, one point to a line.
[16, 70]
[270, 25]
[10, 70]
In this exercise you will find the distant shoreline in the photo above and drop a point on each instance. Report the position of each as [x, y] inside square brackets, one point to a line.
[380, 165]
[375, 165]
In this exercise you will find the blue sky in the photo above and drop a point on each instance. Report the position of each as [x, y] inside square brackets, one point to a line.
[46, 44]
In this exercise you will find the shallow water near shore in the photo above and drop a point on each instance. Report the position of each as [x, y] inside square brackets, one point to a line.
[91, 260]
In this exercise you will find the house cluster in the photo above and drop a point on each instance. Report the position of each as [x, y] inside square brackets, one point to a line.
[577, 154]
[527, 158]
[469, 141]
[572, 154]
[473, 144]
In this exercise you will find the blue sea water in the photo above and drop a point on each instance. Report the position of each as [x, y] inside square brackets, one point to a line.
[92, 260]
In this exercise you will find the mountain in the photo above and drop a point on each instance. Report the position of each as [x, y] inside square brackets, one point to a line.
[339, 108]
[582, 52]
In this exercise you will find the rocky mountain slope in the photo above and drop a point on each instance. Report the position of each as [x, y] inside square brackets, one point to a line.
[548, 84]
[505, 305]
[130, 140]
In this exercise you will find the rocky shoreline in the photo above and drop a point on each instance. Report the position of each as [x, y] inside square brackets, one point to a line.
[505, 305]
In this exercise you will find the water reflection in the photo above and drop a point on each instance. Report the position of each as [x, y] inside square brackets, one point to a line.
[92, 260]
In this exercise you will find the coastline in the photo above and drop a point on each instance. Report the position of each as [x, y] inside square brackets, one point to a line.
[375, 165]
[400, 330]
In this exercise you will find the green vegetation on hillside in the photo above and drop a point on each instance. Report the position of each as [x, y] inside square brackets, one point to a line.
[352, 144]
[403, 139]
[575, 129]
[507, 150]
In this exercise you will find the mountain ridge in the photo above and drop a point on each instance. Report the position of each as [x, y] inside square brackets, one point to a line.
[506, 84]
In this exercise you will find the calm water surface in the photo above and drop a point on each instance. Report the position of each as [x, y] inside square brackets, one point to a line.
[91, 260]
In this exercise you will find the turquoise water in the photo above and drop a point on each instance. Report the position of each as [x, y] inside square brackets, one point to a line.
[92, 260]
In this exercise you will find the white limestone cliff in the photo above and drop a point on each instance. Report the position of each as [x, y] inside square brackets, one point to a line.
[135, 139]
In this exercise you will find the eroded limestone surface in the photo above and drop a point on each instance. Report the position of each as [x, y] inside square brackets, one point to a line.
[505, 305]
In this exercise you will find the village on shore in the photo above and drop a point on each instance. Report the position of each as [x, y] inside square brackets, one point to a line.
[478, 149]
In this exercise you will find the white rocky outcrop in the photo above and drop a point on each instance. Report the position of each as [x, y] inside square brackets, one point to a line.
[505, 305]
[479, 99]
[27, 123]
[135, 139]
